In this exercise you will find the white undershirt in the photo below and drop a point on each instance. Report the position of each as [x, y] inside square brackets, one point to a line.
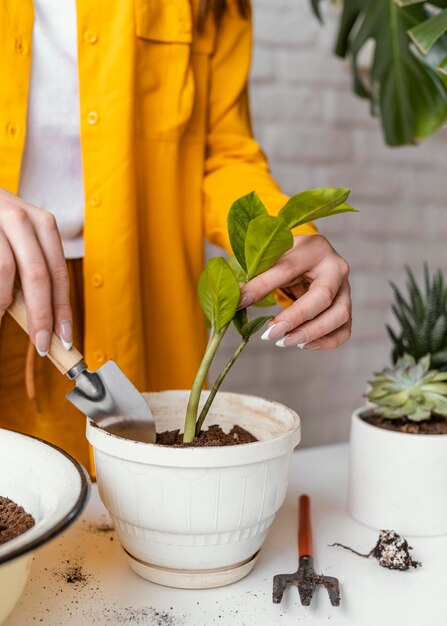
[51, 173]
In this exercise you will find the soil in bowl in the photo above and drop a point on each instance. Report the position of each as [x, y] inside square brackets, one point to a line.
[436, 425]
[14, 520]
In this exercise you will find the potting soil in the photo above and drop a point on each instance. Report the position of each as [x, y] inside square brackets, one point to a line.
[436, 425]
[213, 436]
[14, 520]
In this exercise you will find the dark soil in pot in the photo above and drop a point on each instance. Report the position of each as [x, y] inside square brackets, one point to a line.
[14, 520]
[436, 425]
[213, 436]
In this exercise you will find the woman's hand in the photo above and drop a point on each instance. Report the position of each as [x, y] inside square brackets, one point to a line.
[314, 274]
[31, 250]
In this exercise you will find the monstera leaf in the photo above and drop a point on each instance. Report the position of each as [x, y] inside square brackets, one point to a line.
[405, 89]
[430, 40]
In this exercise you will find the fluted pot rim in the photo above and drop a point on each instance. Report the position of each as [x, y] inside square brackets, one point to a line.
[276, 426]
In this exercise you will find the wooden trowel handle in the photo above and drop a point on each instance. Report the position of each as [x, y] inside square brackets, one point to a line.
[304, 529]
[63, 359]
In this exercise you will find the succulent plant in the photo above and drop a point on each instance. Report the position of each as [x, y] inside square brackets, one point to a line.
[409, 389]
[422, 318]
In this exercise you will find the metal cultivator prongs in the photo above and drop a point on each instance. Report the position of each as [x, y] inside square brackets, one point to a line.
[305, 578]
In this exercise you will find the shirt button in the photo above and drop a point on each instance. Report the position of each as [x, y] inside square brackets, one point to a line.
[12, 129]
[93, 117]
[185, 26]
[99, 356]
[21, 46]
[97, 280]
[90, 37]
[95, 199]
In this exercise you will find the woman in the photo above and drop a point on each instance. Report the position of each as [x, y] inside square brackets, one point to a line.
[129, 122]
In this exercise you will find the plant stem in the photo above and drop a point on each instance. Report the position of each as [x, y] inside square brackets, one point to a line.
[196, 390]
[216, 386]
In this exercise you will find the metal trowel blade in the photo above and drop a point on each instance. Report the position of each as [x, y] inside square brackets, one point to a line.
[109, 398]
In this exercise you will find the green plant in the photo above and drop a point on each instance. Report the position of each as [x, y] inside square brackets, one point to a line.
[422, 317]
[429, 37]
[258, 240]
[409, 389]
[406, 79]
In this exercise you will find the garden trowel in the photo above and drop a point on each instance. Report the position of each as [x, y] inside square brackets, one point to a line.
[107, 396]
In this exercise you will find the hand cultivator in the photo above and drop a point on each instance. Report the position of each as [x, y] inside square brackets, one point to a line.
[305, 577]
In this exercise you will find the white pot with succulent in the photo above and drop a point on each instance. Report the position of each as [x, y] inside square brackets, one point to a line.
[398, 474]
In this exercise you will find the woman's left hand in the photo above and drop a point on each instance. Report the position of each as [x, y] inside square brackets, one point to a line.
[317, 277]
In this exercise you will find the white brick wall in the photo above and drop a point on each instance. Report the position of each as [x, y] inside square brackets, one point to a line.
[317, 133]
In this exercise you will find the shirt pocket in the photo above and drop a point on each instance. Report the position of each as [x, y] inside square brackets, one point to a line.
[170, 57]
[168, 21]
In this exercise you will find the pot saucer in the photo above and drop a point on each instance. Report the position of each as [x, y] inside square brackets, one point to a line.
[191, 579]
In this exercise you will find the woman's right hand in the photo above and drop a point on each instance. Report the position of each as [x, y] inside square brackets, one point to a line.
[31, 250]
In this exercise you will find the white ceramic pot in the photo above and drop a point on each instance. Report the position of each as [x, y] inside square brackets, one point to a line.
[398, 481]
[197, 517]
[52, 487]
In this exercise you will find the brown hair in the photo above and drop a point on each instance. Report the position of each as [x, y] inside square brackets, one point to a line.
[218, 8]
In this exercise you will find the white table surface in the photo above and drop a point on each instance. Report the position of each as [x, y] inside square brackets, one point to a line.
[371, 595]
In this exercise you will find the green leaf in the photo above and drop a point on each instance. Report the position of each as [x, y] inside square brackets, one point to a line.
[238, 271]
[241, 213]
[350, 14]
[438, 333]
[407, 94]
[403, 304]
[315, 4]
[417, 301]
[427, 33]
[241, 277]
[267, 301]
[439, 359]
[442, 69]
[267, 239]
[240, 319]
[314, 204]
[252, 327]
[218, 293]
[406, 3]
[435, 58]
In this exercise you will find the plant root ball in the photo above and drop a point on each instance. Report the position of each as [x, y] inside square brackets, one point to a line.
[392, 551]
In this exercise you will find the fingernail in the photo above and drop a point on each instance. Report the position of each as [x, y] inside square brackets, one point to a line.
[247, 298]
[294, 339]
[313, 345]
[42, 342]
[66, 334]
[275, 331]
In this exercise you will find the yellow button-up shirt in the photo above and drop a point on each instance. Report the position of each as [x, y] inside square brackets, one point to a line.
[166, 148]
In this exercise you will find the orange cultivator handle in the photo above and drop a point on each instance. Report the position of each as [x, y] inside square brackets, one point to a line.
[304, 527]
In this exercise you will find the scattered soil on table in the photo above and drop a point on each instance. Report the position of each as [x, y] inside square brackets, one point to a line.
[73, 574]
[14, 520]
[436, 425]
[391, 550]
[103, 527]
[214, 436]
[143, 615]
